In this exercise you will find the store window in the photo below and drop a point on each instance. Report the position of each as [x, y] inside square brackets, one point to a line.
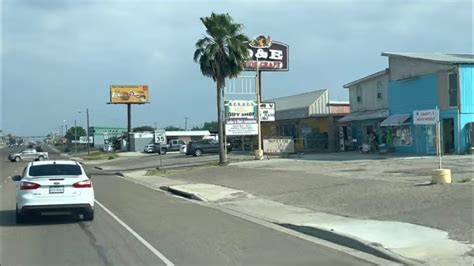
[288, 130]
[399, 136]
[453, 90]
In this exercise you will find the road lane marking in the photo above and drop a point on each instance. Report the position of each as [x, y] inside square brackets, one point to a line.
[137, 236]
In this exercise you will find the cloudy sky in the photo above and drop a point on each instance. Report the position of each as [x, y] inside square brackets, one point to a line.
[59, 57]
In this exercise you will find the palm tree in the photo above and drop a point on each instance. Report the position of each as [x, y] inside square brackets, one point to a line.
[221, 54]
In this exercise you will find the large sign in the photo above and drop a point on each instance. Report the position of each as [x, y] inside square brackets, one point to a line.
[239, 109]
[270, 55]
[129, 94]
[278, 146]
[267, 112]
[426, 117]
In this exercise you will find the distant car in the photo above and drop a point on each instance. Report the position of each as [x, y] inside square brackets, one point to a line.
[108, 148]
[182, 149]
[197, 148]
[29, 155]
[175, 145]
[156, 148]
[52, 187]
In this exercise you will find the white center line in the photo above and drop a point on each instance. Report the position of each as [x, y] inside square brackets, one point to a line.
[137, 236]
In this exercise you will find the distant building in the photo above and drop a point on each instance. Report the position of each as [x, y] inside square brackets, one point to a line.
[309, 118]
[368, 97]
[101, 135]
[384, 103]
[2, 138]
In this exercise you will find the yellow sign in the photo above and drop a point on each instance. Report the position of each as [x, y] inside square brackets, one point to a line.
[129, 94]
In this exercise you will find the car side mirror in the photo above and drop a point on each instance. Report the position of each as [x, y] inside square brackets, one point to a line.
[16, 178]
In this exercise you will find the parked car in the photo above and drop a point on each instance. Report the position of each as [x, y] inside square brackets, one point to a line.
[175, 144]
[108, 148]
[156, 148]
[54, 186]
[197, 148]
[29, 154]
[182, 149]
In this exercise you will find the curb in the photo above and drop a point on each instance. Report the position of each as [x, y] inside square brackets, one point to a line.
[181, 193]
[350, 242]
[327, 235]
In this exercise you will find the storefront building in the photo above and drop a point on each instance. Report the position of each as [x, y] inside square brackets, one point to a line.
[309, 119]
[101, 135]
[425, 82]
[368, 108]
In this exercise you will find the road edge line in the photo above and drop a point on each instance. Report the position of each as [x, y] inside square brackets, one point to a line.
[137, 236]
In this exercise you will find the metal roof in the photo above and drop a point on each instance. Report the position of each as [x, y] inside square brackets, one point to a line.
[187, 133]
[436, 57]
[369, 77]
[365, 115]
[298, 101]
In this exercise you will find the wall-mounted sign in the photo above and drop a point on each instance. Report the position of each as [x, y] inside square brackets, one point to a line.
[426, 117]
[129, 94]
[267, 112]
[238, 109]
[271, 55]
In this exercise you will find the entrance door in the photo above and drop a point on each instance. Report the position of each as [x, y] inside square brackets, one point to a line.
[448, 135]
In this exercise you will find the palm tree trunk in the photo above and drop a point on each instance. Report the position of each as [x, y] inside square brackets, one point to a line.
[220, 122]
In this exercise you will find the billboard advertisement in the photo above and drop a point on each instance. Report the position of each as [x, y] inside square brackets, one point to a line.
[270, 55]
[240, 109]
[129, 94]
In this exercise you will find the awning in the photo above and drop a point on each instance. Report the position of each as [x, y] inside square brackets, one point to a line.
[395, 120]
[364, 115]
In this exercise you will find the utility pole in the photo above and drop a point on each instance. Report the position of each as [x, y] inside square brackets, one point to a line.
[129, 125]
[75, 135]
[259, 151]
[88, 142]
[186, 123]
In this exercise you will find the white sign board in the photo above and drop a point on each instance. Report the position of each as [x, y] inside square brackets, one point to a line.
[277, 146]
[241, 129]
[426, 117]
[160, 136]
[267, 112]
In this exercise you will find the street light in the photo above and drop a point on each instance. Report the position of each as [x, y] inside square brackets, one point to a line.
[87, 130]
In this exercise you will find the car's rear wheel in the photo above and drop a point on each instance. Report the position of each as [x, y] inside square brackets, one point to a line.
[20, 219]
[88, 215]
[197, 152]
[17, 159]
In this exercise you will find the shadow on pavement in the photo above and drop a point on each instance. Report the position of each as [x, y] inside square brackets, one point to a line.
[7, 219]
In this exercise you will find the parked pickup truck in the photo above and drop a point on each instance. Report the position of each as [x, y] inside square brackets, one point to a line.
[28, 155]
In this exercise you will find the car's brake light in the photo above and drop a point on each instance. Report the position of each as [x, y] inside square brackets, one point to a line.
[24, 185]
[82, 184]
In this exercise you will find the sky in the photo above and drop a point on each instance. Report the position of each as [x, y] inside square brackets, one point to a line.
[59, 57]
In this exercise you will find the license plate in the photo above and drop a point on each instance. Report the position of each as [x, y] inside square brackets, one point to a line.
[56, 189]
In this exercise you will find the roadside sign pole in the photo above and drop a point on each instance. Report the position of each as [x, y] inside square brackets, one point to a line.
[259, 153]
[129, 125]
[438, 138]
[88, 141]
[75, 135]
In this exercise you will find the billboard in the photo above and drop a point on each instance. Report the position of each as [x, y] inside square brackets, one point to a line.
[240, 109]
[129, 94]
[267, 112]
[426, 117]
[270, 55]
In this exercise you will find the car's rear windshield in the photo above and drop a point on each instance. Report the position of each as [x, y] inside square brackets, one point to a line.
[55, 169]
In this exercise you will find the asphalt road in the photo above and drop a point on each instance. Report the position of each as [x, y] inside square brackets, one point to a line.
[170, 159]
[152, 228]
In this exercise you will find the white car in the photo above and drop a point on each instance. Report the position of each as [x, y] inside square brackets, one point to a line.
[182, 149]
[52, 187]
